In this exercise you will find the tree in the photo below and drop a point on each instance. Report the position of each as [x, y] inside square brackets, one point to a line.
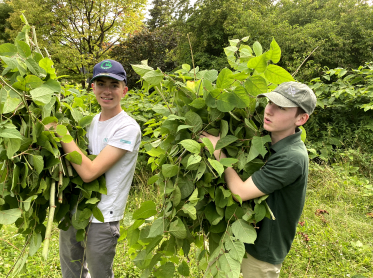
[5, 11]
[79, 33]
[155, 46]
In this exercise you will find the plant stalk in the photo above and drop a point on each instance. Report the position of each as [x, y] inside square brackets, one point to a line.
[48, 232]
[60, 181]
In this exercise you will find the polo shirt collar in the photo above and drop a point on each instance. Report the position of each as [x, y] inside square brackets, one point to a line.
[289, 140]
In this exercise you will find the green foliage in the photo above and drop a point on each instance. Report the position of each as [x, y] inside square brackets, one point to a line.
[195, 199]
[342, 119]
[79, 33]
[5, 11]
[155, 46]
[33, 166]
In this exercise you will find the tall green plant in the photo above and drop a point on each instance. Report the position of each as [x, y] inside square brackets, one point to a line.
[197, 205]
[35, 175]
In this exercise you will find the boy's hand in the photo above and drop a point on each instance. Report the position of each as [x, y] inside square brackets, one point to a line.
[50, 126]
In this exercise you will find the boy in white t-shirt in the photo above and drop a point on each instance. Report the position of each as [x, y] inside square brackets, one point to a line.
[115, 138]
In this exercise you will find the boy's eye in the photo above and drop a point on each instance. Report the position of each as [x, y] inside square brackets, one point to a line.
[270, 102]
[282, 108]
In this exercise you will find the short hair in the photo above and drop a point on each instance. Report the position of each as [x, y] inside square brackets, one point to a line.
[300, 111]
[120, 81]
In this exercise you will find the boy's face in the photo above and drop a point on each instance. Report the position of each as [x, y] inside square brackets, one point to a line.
[109, 92]
[282, 120]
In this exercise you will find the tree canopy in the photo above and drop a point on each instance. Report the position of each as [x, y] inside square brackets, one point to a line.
[79, 33]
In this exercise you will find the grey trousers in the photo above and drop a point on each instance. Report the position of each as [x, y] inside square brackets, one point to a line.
[99, 252]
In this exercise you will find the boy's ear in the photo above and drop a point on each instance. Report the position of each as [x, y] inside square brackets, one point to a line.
[125, 90]
[302, 119]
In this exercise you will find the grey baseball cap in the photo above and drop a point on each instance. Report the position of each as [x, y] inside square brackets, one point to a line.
[293, 94]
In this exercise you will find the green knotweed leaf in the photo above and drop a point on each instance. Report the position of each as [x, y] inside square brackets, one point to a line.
[227, 264]
[38, 163]
[35, 243]
[193, 199]
[244, 231]
[53, 85]
[208, 145]
[10, 133]
[85, 121]
[146, 210]
[224, 80]
[98, 214]
[153, 179]
[257, 47]
[193, 159]
[41, 95]
[217, 166]
[10, 216]
[194, 120]
[260, 212]
[27, 202]
[177, 229]
[23, 49]
[190, 210]
[191, 146]
[303, 136]
[258, 143]
[92, 186]
[158, 227]
[236, 248]
[11, 104]
[67, 138]
[223, 128]
[165, 271]
[228, 162]
[141, 69]
[92, 201]
[176, 196]
[256, 85]
[74, 157]
[80, 235]
[277, 75]
[186, 186]
[200, 171]
[212, 215]
[198, 103]
[153, 77]
[181, 127]
[102, 182]
[8, 49]
[258, 63]
[226, 102]
[169, 170]
[12, 145]
[223, 142]
[183, 269]
[61, 130]
[274, 54]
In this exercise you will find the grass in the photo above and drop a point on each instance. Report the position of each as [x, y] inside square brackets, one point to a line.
[333, 239]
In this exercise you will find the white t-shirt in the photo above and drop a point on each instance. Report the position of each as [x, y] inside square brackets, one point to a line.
[122, 132]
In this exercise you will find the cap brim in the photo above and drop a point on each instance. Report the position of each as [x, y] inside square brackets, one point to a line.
[110, 75]
[278, 99]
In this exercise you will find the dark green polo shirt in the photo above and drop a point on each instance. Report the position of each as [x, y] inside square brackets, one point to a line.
[284, 178]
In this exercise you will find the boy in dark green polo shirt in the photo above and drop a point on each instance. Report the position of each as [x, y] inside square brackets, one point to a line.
[283, 178]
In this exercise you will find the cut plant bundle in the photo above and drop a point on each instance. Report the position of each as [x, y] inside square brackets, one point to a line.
[35, 174]
[197, 205]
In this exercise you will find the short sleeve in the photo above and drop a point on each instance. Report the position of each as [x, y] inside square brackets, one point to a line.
[276, 174]
[127, 138]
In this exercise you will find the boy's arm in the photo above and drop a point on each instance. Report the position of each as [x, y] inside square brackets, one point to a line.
[245, 189]
[90, 170]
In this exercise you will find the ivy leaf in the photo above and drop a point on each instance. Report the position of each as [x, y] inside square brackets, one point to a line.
[191, 146]
[177, 229]
[74, 157]
[169, 170]
[277, 75]
[98, 214]
[190, 210]
[10, 216]
[244, 231]
[146, 210]
[217, 166]
[223, 142]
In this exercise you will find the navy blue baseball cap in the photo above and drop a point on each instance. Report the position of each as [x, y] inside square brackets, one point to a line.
[109, 68]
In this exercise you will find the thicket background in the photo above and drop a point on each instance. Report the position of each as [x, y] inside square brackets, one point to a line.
[334, 238]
